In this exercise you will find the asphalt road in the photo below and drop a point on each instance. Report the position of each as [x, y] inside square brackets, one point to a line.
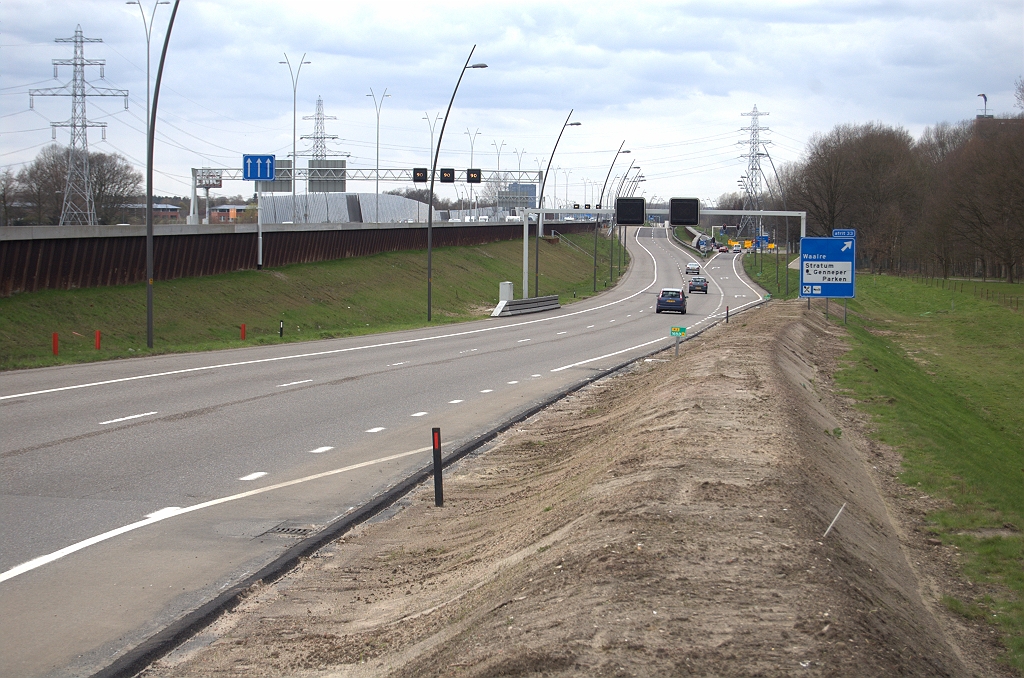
[131, 492]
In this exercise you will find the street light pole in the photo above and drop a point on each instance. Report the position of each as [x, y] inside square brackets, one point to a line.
[498, 148]
[597, 224]
[433, 172]
[540, 217]
[472, 139]
[377, 107]
[519, 177]
[295, 116]
[554, 189]
[150, 128]
[431, 123]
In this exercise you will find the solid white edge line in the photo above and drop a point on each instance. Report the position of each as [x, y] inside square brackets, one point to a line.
[609, 355]
[169, 512]
[134, 416]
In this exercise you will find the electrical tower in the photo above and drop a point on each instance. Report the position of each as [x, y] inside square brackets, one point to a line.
[78, 207]
[752, 180]
[318, 136]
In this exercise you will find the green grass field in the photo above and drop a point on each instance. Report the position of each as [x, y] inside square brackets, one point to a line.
[337, 298]
[941, 372]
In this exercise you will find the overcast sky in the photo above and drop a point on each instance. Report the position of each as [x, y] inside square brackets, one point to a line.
[671, 79]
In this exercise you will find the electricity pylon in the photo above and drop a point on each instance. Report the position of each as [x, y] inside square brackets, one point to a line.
[78, 207]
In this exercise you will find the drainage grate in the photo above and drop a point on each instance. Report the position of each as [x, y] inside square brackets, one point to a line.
[291, 531]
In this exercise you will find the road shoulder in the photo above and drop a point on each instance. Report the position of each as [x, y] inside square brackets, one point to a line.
[669, 519]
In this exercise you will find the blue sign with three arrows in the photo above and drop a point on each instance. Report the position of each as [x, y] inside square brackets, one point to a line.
[827, 267]
[258, 167]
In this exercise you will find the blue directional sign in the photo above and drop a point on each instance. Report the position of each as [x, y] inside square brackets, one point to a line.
[844, 233]
[258, 167]
[827, 267]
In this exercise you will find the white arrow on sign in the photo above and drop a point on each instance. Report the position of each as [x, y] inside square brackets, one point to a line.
[848, 245]
[248, 166]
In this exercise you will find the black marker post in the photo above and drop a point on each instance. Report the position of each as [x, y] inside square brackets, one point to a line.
[438, 481]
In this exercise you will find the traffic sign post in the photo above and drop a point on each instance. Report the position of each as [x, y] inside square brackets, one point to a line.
[827, 267]
[678, 332]
[259, 168]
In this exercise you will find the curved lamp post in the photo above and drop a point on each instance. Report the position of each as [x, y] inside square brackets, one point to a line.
[295, 89]
[600, 201]
[376, 187]
[433, 172]
[540, 203]
[472, 139]
[498, 148]
[150, 135]
[431, 123]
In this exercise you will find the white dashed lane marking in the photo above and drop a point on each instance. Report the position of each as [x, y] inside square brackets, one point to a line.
[375, 429]
[521, 341]
[419, 414]
[454, 402]
[487, 390]
[134, 416]
[321, 450]
[294, 383]
[561, 332]
[513, 382]
[254, 476]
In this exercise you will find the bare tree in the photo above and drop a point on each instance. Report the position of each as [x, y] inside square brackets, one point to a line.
[41, 184]
[114, 182]
[8, 197]
[822, 187]
[884, 191]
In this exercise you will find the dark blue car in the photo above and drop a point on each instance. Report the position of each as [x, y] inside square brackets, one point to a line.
[671, 299]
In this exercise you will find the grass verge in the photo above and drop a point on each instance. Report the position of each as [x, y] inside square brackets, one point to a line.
[344, 297]
[940, 372]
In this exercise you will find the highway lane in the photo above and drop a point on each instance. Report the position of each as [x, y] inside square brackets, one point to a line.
[94, 448]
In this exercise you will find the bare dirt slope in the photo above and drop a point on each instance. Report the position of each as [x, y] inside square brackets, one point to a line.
[666, 521]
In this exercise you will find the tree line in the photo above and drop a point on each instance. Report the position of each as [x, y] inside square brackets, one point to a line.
[948, 203]
[35, 194]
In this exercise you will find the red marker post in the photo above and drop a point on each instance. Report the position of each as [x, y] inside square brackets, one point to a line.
[56, 344]
[243, 331]
[97, 340]
[438, 481]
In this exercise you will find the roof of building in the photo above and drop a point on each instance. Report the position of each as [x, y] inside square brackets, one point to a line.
[156, 206]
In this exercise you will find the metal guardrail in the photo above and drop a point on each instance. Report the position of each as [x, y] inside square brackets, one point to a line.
[521, 306]
[683, 243]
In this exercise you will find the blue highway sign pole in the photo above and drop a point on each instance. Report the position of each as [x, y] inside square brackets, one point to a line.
[258, 168]
[827, 267]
